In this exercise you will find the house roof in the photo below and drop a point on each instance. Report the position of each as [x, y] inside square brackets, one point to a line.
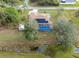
[39, 16]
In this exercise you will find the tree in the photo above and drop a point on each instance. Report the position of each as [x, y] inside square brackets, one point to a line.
[12, 2]
[30, 33]
[46, 2]
[12, 15]
[9, 16]
[65, 35]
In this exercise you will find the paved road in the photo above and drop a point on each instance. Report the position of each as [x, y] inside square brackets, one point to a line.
[54, 8]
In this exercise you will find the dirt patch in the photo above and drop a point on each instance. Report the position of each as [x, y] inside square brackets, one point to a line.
[46, 38]
[7, 31]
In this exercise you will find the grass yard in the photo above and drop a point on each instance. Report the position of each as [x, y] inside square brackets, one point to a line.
[13, 38]
[76, 55]
[7, 34]
[4, 54]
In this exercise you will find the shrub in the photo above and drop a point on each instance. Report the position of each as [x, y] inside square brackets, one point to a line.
[2, 16]
[9, 16]
[13, 14]
[51, 50]
[30, 33]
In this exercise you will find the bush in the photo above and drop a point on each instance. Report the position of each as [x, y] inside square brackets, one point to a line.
[9, 16]
[2, 16]
[56, 51]
[51, 50]
[30, 33]
[12, 15]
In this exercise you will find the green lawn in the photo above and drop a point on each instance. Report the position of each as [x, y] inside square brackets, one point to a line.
[76, 55]
[4, 54]
[11, 36]
[66, 55]
[8, 35]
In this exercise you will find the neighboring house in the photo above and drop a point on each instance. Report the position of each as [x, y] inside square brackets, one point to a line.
[67, 1]
[40, 20]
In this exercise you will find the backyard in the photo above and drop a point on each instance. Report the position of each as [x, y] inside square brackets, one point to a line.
[28, 31]
[14, 44]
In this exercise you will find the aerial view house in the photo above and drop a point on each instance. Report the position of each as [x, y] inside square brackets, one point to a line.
[67, 1]
[43, 22]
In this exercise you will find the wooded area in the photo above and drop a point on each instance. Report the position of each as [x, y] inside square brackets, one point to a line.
[46, 2]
